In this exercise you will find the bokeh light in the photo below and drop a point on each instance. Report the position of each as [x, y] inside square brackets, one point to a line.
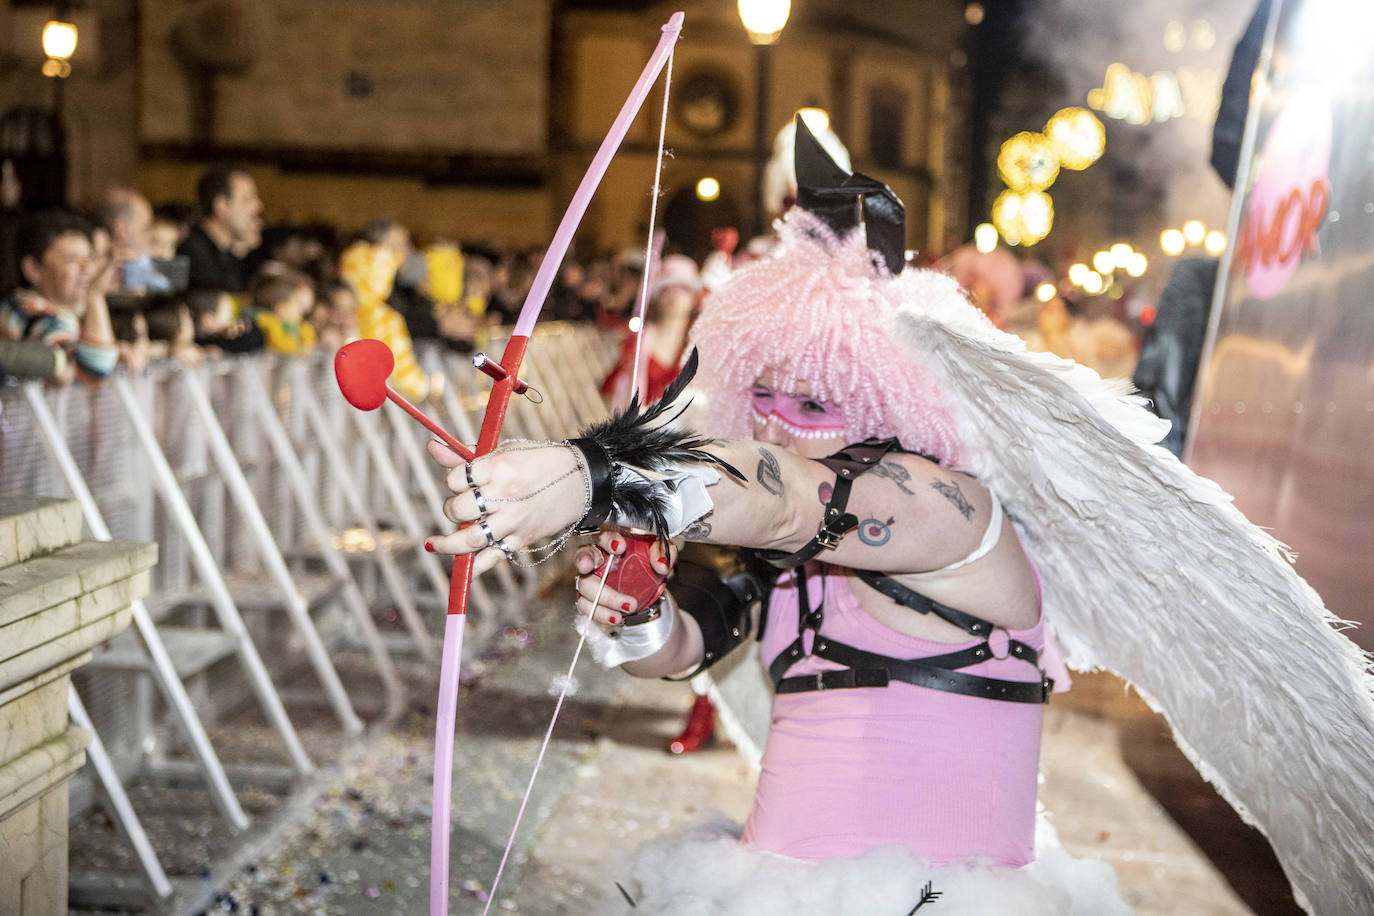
[1077, 137]
[1214, 242]
[1023, 217]
[1172, 241]
[708, 189]
[817, 119]
[1102, 262]
[985, 237]
[1194, 231]
[1137, 264]
[1027, 162]
[1045, 292]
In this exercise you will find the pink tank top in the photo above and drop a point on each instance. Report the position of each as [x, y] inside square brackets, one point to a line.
[948, 776]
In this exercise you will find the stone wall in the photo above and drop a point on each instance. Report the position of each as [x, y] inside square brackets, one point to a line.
[59, 597]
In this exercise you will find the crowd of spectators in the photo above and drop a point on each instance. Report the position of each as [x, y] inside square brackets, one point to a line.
[123, 282]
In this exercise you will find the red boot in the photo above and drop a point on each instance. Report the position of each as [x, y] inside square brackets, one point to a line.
[701, 725]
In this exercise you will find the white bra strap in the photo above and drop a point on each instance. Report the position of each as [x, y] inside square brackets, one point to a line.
[991, 535]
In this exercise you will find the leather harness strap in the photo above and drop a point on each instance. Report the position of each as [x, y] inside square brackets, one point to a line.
[848, 463]
[869, 669]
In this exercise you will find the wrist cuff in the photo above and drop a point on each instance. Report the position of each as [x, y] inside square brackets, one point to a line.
[600, 474]
[629, 644]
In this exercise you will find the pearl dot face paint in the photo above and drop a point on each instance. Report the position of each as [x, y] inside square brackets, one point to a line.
[801, 416]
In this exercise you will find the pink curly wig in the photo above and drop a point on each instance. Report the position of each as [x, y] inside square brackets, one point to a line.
[819, 310]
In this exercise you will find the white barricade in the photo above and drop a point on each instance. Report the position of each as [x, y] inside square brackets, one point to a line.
[258, 482]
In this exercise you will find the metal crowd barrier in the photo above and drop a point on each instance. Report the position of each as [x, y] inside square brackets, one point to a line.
[283, 518]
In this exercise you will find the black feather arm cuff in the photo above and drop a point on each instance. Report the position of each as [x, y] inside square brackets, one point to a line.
[628, 456]
[599, 484]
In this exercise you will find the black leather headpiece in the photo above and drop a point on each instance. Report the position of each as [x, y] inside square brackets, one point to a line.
[843, 201]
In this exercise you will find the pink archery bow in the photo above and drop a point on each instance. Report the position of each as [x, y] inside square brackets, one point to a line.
[495, 414]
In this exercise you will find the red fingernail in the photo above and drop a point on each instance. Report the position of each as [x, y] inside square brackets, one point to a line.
[615, 545]
[429, 547]
[612, 618]
[624, 605]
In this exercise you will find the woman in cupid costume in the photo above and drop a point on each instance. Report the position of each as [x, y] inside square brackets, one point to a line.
[930, 498]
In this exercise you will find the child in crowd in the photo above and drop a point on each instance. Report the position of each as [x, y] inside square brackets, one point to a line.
[218, 326]
[171, 223]
[335, 315]
[282, 298]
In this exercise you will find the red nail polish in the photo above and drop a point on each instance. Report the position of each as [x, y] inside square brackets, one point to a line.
[615, 545]
[612, 618]
[429, 547]
[624, 605]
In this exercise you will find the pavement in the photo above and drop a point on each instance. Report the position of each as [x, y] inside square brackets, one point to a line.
[354, 839]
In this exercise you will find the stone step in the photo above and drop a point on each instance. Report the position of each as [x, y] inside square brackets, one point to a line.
[49, 580]
[192, 650]
[31, 526]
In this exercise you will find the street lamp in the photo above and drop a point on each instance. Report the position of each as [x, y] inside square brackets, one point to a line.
[59, 44]
[764, 21]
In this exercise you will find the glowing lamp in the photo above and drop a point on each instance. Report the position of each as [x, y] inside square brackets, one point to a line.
[708, 189]
[817, 120]
[764, 19]
[59, 39]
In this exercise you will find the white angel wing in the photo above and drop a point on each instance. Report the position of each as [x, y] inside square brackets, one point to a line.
[1151, 573]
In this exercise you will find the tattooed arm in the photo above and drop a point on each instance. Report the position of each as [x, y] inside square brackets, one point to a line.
[913, 514]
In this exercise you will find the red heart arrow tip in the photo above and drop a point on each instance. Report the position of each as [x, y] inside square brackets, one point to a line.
[362, 368]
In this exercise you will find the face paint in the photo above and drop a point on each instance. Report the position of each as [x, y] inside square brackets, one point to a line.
[800, 416]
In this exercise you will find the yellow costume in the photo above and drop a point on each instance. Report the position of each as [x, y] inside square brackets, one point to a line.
[370, 270]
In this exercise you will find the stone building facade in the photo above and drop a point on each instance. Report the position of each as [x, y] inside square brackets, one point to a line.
[474, 119]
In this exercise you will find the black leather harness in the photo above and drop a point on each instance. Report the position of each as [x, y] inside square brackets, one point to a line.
[870, 669]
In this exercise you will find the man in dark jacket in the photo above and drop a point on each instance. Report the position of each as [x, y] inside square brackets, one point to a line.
[230, 228]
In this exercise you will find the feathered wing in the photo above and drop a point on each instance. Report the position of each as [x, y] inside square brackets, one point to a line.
[1150, 572]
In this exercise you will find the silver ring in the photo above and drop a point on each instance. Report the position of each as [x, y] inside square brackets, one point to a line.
[467, 471]
[486, 530]
[480, 500]
[506, 550]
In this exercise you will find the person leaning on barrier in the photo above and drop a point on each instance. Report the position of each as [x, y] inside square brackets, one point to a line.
[62, 304]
